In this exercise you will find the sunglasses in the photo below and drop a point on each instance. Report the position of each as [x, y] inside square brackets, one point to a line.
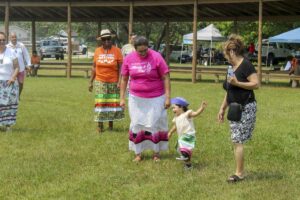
[106, 39]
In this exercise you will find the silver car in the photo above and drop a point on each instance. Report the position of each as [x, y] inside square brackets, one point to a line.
[51, 49]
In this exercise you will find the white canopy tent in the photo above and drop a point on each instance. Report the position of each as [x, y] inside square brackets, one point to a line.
[209, 33]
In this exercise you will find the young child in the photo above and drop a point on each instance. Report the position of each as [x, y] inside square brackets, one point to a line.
[184, 125]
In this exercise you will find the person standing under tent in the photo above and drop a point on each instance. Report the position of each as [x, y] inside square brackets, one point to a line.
[35, 61]
[128, 48]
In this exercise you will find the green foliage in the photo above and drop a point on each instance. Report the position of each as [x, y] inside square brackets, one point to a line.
[154, 30]
[54, 151]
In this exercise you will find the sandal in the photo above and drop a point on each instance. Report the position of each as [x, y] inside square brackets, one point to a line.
[137, 159]
[234, 179]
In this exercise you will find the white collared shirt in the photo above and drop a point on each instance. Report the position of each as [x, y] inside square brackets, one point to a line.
[22, 54]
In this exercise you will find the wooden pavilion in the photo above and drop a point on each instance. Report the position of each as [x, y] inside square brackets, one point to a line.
[148, 10]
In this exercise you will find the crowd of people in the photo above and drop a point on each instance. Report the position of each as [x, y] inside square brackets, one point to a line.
[141, 74]
[149, 97]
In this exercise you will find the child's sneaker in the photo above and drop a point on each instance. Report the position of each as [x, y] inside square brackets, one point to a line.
[182, 158]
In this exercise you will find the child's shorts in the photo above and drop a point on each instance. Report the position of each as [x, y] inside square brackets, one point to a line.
[186, 144]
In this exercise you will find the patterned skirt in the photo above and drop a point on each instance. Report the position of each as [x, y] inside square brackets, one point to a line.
[9, 101]
[107, 102]
[186, 144]
[241, 131]
[149, 124]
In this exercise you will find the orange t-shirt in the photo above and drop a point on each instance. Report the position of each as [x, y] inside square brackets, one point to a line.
[35, 60]
[106, 62]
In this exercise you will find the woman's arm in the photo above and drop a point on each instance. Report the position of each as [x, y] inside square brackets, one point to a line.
[166, 79]
[222, 109]
[15, 73]
[119, 74]
[251, 85]
[93, 74]
[124, 82]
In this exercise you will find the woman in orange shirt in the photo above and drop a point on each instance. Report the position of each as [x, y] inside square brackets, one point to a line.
[105, 76]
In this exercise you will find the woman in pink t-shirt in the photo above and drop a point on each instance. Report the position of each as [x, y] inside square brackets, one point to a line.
[149, 97]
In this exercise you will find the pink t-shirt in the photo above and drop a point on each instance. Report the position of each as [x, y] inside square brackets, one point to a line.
[145, 74]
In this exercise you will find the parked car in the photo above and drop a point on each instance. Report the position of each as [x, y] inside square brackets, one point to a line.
[273, 52]
[51, 49]
[185, 58]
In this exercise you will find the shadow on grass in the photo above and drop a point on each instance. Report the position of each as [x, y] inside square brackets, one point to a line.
[254, 176]
[198, 81]
[57, 76]
[270, 84]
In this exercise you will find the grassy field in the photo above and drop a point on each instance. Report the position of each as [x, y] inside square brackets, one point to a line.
[54, 151]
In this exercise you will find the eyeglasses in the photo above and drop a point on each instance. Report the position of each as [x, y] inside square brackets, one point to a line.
[106, 39]
[2, 40]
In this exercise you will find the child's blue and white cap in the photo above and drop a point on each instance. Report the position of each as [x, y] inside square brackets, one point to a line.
[179, 101]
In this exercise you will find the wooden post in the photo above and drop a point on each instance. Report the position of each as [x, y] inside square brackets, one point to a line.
[130, 23]
[194, 62]
[33, 38]
[99, 28]
[69, 70]
[167, 50]
[235, 27]
[259, 42]
[6, 21]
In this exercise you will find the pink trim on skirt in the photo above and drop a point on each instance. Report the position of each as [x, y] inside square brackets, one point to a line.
[21, 77]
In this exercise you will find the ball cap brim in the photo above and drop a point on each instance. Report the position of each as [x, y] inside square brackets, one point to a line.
[179, 101]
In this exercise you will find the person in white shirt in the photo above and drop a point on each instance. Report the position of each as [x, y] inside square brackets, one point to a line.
[9, 87]
[288, 65]
[128, 48]
[23, 58]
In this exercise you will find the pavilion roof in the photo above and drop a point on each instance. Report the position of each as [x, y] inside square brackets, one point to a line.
[150, 10]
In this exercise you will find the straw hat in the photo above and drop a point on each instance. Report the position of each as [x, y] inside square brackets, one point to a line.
[104, 33]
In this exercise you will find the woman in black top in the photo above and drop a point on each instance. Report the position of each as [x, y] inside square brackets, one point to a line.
[239, 88]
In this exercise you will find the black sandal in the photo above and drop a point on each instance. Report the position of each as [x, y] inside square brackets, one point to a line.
[234, 179]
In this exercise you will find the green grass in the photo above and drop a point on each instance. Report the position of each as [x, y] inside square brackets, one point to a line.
[54, 151]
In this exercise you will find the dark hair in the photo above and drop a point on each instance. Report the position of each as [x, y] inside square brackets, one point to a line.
[132, 34]
[184, 108]
[2, 33]
[140, 41]
[34, 52]
[235, 44]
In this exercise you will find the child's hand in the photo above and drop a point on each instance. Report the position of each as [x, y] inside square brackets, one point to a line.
[203, 104]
